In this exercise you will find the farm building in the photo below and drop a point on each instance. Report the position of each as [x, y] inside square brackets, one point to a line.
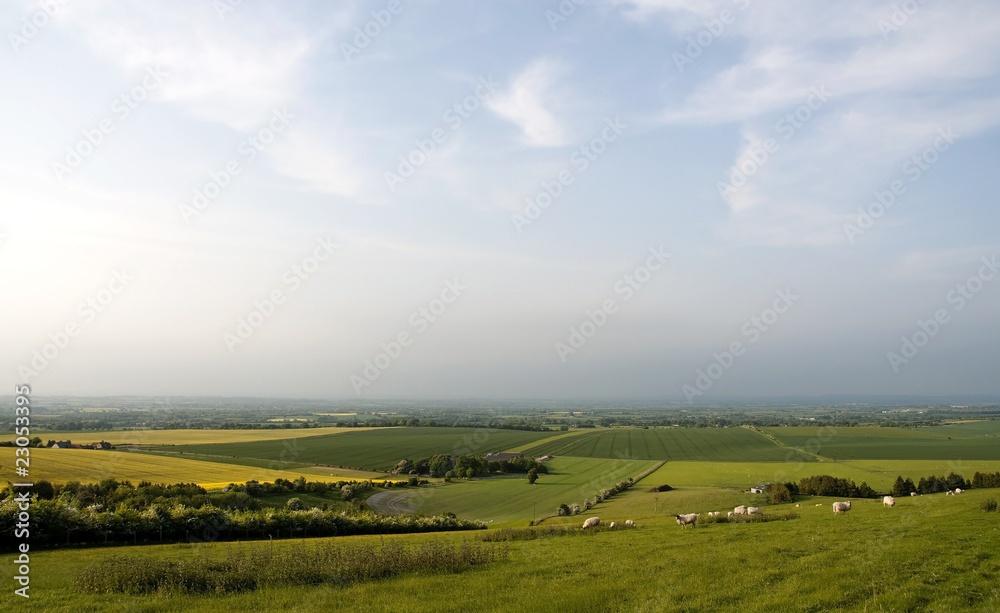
[66, 445]
[759, 489]
[102, 445]
[501, 457]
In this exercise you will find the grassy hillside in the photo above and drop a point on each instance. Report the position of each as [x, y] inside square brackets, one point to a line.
[966, 441]
[932, 553]
[376, 449]
[572, 480]
[701, 444]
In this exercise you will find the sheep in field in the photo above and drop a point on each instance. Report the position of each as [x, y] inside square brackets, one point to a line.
[753, 511]
[913, 493]
[841, 507]
[888, 501]
[690, 518]
[950, 493]
[958, 490]
[798, 505]
[629, 523]
[592, 522]
[740, 510]
[611, 525]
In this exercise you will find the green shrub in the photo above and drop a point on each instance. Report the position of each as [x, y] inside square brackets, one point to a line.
[990, 504]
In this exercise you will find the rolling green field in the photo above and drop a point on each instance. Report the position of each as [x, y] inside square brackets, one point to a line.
[673, 444]
[932, 553]
[508, 499]
[377, 449]
[966, 441]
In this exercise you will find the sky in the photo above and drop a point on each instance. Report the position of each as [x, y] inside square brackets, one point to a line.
[681, 199]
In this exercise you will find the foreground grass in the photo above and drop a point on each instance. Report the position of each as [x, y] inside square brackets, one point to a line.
[933, 552]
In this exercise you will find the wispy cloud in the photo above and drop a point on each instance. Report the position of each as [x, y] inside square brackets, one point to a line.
[533, 103]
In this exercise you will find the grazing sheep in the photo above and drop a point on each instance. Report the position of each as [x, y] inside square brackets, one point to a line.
[913, 493]
[592, 522]
[798, 505]
[753, 511]
[629, 523]
[730, 515]
[888, 501]
[740, 510]
[841, 507]
[611, 525]
[958, 490]
[950, 493]
[690, 518]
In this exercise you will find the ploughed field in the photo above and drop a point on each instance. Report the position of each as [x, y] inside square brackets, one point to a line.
[378, 449]
[671, 444]
[965, 441]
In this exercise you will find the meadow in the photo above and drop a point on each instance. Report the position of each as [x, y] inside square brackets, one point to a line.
[933, 552]
[379, 449]
[511, 499]
[965, 441]
[672, 444]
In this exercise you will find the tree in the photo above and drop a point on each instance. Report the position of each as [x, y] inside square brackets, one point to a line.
[532, 476]
[778, 493]
[294, 504]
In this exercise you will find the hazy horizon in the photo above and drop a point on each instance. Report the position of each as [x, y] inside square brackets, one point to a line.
[633, 199]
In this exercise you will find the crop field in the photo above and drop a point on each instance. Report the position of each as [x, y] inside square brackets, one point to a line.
[871, 558]
[182, 437]
[673, 444]
[506, 499]
[377, 449]
[85, 465]
[965, 441]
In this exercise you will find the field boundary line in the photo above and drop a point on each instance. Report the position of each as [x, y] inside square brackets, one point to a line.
[778, 443]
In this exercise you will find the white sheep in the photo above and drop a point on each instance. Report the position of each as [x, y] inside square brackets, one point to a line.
[689, 518]
[730, 515]
[841, 507]
[798, 505]
[629, 523]
[913, 493]
[888, 501]
[611, 525]
[958, 490]
[753, 511]
[740, 510]
[592, 522]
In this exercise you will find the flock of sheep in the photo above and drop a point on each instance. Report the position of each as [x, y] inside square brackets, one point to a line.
[690, 518]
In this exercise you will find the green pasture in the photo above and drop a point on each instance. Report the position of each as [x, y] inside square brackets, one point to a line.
[377, 449]
[931, 553]
[512, 499]
[673, 444]
[966, 441]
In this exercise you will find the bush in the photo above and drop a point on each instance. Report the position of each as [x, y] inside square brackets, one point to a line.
[990, 504]
[777, 493]
[661, 488]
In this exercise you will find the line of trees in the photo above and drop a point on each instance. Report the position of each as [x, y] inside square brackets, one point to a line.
[825, 485]
[466, 466]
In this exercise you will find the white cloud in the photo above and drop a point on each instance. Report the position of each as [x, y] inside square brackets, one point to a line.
[533, 103]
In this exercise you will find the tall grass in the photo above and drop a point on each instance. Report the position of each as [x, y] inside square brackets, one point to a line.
[246, 568]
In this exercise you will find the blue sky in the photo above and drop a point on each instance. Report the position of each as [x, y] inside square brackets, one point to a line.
[670, 199]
